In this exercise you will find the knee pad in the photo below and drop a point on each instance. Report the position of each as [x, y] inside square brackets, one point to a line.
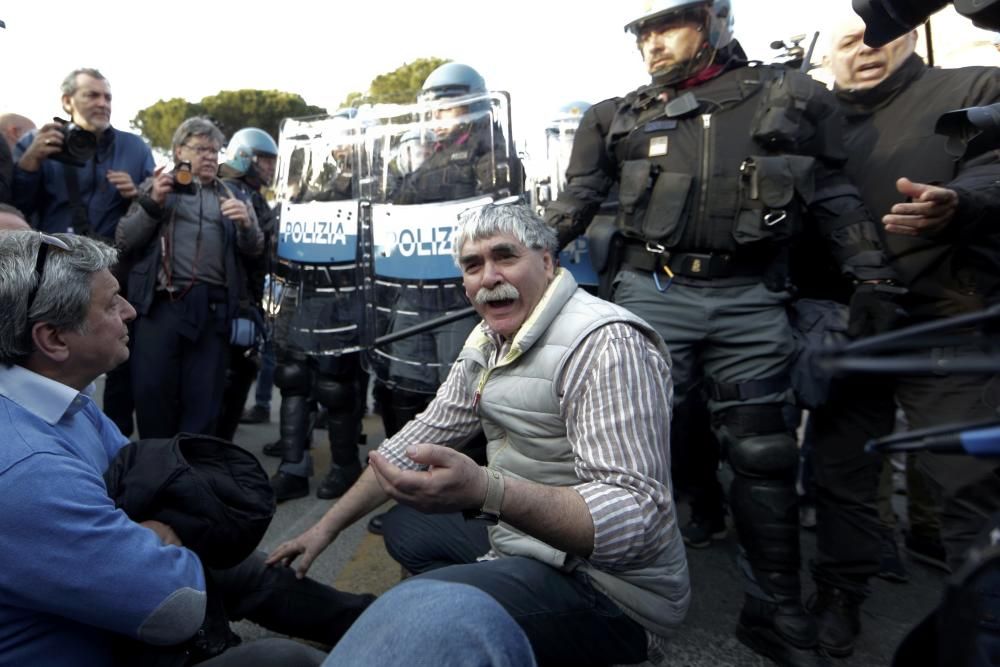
[337, 394]
[293, 378]
[757, 441]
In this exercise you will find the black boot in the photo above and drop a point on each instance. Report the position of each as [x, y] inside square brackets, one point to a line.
[276, 448]
[338, 480]
[838, 617]
[287, 487]
[781, 631]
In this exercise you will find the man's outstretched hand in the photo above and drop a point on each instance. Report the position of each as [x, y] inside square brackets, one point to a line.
[928, 212]
[453, 482]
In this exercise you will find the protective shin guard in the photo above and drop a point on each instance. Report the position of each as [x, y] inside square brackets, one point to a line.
[294, 428]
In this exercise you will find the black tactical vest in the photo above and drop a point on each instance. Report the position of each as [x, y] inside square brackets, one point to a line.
[733, 174]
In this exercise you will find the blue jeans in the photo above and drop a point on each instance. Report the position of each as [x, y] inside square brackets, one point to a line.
[424, 623]
[566, 619]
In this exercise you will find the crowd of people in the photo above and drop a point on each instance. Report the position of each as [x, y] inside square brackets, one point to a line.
[742, 189]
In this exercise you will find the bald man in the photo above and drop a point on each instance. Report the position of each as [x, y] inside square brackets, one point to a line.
[14, 126]
[12, 220]
[938, 214]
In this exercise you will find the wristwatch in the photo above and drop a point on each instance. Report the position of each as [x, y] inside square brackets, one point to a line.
[490, 510]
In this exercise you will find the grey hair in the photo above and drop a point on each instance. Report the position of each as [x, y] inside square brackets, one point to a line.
[63, 298]
[69, 84]
[516, 219]
[196, 126]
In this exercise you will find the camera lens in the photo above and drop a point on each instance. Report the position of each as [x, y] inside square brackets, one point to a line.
[183, 177]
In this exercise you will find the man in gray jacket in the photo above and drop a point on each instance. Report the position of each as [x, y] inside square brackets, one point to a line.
[571, 526]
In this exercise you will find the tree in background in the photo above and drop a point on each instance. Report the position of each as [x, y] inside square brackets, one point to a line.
[235, 109]
[399, 86]
[230, 109]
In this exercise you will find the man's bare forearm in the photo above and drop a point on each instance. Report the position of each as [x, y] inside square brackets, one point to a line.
[556, 515]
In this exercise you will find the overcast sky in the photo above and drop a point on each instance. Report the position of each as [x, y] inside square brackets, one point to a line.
[545, 53]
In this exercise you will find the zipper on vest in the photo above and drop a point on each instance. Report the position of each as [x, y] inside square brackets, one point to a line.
[702, 234]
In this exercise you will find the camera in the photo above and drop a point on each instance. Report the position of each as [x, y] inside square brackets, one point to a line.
[885, 20]
[183, 178]
[79, 145]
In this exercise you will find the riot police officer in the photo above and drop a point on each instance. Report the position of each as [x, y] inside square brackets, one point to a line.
[251, 157]
[718, 164]
[316, 331]
[452, 160]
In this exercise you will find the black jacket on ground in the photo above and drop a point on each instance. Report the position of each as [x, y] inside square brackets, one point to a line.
[213, 493]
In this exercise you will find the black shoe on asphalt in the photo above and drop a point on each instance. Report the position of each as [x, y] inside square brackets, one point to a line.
[838, 620]
[699, 532]
[287, 487]
[927, 550]
[276, 448]
[338, 480]
[375, 524]
[891, 567]
[784, 633]
[258, 414]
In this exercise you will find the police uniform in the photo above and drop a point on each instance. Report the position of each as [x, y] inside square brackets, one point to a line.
[714, 183]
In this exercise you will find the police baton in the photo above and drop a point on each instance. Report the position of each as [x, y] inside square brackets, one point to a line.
[425, 326]
[980, 439]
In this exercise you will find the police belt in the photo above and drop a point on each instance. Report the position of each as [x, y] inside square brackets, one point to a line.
[693, 264]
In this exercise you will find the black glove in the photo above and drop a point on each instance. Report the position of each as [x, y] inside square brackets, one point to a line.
[874, 309]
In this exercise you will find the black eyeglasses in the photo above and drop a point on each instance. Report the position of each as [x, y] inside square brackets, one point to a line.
[43, 252]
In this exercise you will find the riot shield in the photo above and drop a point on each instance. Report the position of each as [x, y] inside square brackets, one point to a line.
[421, 165]
[317, 275]
[546, 187]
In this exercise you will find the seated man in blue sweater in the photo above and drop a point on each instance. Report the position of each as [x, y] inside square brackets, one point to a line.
[75, 572]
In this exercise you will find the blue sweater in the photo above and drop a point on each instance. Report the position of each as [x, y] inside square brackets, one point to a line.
[44, 192]
[73, 569]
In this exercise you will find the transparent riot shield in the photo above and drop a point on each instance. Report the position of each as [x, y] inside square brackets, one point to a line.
[421, 165]
[317, 275]
[559, 137]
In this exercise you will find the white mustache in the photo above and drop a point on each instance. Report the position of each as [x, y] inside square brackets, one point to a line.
[501, 292]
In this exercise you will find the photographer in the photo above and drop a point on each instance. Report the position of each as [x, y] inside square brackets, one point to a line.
[933, 206]
[186, 284]
[88, 197]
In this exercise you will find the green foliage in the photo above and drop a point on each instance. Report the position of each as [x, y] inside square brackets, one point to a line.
[231, 109]
[157, 122]
[236, 109]
[397, 87]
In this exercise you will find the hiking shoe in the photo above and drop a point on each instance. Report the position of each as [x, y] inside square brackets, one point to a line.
[927, 550]
[699, 532]
[258, 414]
[838, 620]
[287, 487]
[891, 566]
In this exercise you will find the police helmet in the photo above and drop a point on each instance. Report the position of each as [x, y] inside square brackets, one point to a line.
[452, 80]
[244, 146]
[716, 17]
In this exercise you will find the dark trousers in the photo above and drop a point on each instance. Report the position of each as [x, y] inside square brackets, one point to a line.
[178, 375]
[566, 619]
[274, 598]
[239, 378]
[862, 408]
[118, 403]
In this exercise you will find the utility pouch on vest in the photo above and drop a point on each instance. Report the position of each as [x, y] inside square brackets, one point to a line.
[653, 202]
[773, 192]
[780, 122]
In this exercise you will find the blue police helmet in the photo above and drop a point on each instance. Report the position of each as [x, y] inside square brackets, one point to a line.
[244, 146]
[452, 80]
